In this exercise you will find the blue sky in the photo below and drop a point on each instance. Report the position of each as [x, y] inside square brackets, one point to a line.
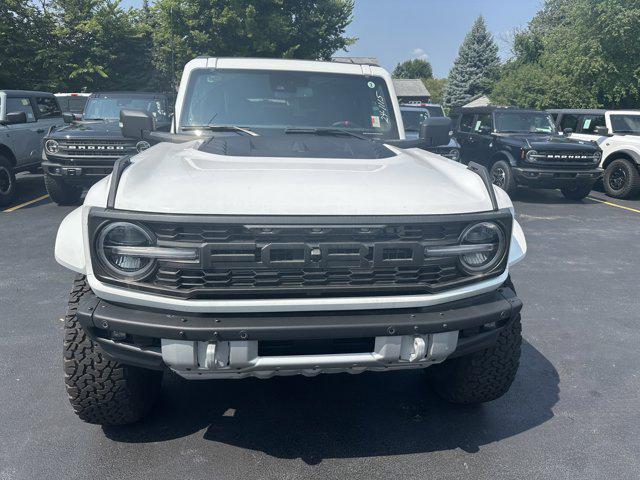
[397, 30]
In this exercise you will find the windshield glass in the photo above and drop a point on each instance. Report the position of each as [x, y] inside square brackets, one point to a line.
[108, 107]
[524, 122]
[626, 124]
[412, 119]
[280, 99]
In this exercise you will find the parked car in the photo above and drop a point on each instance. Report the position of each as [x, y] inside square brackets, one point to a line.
[413, 118]
[434, 109]
[25, 118]
[83, 152]
[288, 227]
[73, 103]
[617, 132]
[523, 147]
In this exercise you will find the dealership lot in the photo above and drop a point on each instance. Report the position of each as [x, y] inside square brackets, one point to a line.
[572, 412]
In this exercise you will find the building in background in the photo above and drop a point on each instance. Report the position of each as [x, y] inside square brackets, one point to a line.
[411, 90]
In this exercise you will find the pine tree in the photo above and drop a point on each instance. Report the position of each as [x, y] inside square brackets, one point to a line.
[475, 70]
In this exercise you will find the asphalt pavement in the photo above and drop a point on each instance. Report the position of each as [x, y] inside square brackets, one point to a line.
[572, 412]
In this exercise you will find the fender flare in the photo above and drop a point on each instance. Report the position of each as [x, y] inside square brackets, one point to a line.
[69, 249]
[504, 153]
[625, 152]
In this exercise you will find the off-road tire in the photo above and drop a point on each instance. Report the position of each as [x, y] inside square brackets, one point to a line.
[502, 176]
[482, 376]
[101, 390]
[7, 182]
[578, 191]
[630, 187]
[62, 193]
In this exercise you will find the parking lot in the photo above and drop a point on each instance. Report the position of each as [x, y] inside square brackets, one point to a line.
[571, 414]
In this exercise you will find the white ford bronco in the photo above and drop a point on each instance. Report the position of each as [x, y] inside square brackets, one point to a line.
[617, 133]
[286, 226]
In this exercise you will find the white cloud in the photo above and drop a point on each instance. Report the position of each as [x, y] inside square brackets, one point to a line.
[420, 53]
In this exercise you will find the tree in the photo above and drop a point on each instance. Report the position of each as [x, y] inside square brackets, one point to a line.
[308, 29]
[436, 88]
[416, 68]
[476, 68]
[576, 53]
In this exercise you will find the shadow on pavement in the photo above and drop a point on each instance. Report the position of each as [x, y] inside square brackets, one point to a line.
[344, 416]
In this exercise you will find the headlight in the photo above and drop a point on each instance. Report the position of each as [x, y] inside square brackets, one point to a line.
[142, 145]
[531, 156]
[486, 245]
[51, 146]
[113, 247]
[454, 154]
[597, 157]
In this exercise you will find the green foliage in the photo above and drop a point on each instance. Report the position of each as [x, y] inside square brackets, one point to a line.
[476, 68]
[436, 88]
[73, 45]
[416, 68]
[576, 53]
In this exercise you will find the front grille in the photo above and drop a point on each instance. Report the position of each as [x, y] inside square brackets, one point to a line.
[552, 158]
[95, 148]
[287, 260]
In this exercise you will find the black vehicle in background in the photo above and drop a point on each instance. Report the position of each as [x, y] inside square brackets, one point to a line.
[79, 154]
[73, 103]
[523, 147]
[414, 115]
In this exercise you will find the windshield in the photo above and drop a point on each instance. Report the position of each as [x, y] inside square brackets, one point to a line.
[524, 122]
[108, 107]
[268, 99]
[412, 119]
[626, 124]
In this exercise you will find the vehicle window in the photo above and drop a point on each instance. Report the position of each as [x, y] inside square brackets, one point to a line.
[108, 106]
[48, 107]
[626, 124]
[483, 120]
[280, 99]
[589, 123]
[466, 122]
[524, 122]
[412, 119]
[21, 104]
[76, 104]
[569, 121]
[435, 111]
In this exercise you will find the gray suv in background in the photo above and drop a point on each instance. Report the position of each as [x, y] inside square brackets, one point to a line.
[25, 118]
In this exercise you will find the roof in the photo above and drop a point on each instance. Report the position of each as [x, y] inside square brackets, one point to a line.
[410, 87]
[146, 94]
[493, 108]
[578, 111]
[481, 101]
[357, 60]
[25, 92]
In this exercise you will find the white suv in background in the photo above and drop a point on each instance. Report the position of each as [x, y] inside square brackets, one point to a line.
[617, 132]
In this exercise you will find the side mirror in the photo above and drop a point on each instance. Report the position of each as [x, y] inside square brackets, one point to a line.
[484, 130]
[436, 131]
[602, 131]
[68, 117]
[15, 118]
[136, 123]
[567, 132]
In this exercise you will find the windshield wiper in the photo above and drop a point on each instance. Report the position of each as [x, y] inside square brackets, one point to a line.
[220, 128]
[96, 119]
[330, 132]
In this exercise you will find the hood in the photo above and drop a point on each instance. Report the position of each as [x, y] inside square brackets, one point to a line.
[107, 129]
[546, 142]
[180, 179]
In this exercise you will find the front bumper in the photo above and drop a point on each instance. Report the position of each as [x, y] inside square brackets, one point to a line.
[547, 178]
[231, 345]
[80, 171]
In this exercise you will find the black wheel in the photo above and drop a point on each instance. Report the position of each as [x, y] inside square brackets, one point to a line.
[576, 192]
[621, 179]
[62, 193]
[100, 390]
[7, 182]
[502, 176]
[482, 376]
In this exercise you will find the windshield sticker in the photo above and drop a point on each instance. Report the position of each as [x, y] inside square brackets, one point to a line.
[478, 125]
[587, 124]
[382, 107]
[371, 85]
[375, 121]
[24, 101]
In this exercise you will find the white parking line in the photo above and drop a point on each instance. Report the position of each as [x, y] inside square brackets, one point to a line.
[25, 204]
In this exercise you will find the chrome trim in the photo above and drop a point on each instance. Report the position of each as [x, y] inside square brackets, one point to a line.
[160, 253]
[455, 250]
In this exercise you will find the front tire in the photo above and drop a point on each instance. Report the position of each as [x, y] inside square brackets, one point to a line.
[482, 376]
[7, 182]
[61, 192]
[102, 391]
[621, 179]
[502, 176]
[576, 192]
